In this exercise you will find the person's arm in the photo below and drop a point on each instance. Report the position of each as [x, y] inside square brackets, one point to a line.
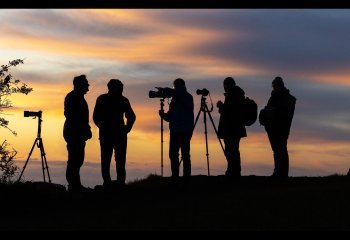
[74, 111]
[164, 115]
[130, 116]
[97, 114]
[69, 107]
[220, 106]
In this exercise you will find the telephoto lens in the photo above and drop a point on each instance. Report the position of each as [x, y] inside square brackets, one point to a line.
[32, 114]
[161, 93]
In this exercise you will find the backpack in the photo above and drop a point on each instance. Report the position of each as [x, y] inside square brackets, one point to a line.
[266, 116]
[250, 111]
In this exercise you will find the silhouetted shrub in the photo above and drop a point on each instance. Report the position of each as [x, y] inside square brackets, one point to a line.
[7, 166]
[8, 86]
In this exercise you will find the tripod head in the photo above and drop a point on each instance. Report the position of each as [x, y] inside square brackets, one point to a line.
[204, 92]
[38, 115]
[204, 106]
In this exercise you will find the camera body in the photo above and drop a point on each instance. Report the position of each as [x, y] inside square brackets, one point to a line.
[203, 92]
[161, 93]
[32, 114]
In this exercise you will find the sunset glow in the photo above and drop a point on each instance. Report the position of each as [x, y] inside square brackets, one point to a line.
[148, 48]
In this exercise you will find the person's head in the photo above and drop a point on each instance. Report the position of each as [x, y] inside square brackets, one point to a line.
[277, 84]
[81, 84]
[115, 87]
[229, 84]
[179, 83]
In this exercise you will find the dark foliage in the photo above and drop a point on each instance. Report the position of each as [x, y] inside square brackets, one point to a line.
[9, 86]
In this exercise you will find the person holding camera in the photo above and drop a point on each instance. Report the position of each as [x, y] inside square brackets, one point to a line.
[181, 118]
[231, 125]
[76, 131]
[277, 119]
[109, 113]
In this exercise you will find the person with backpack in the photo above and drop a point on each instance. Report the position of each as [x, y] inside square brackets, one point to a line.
[277, 117]
[231, 125]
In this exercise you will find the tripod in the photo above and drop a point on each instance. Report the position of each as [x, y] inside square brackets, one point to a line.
[204, 108]
[39, 143]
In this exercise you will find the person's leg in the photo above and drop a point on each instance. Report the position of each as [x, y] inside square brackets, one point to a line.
[70, 163]
[185, 153]
[229, 156]
[76, 154]
[106, 156]
[174, 147]
[120, 158]
[284, 157]
[277, 146]
[236, 157]
[272, 140]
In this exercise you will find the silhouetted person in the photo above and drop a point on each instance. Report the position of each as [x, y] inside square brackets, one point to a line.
[281, 106]
[181, 118]
[76, 130]
[109, 113]
[231, 125]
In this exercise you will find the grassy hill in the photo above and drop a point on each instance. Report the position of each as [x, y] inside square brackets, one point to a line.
[208, 203]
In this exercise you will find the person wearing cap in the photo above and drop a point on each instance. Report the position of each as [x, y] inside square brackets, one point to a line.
[76, 131]
[181, 118]
[108, 115]
[281, 105]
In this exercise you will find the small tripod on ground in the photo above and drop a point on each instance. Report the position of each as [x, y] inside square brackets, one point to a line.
[204, 108]
[39, 143]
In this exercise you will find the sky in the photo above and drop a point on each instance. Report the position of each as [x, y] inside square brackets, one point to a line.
[148, 48]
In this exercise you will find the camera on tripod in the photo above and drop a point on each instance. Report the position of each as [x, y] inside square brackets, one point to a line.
[39, 143]
[161, 93]
[32, 114]
[203, 92]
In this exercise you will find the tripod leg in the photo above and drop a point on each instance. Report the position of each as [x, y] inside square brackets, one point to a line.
[217, 135]
[25, 165]
[194, 126]
[195, 122]
[161, 144]
[206, 140]
[202, 108]
[43, 160]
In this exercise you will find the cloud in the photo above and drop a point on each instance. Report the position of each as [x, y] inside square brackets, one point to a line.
[71, 23]
[288, 41]
[300, 42]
